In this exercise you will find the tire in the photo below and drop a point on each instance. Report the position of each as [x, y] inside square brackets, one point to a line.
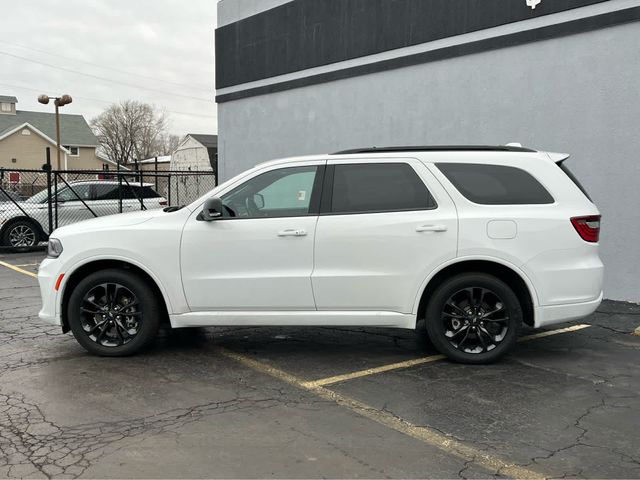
[474, 318]
[21, 233]
[130, 322]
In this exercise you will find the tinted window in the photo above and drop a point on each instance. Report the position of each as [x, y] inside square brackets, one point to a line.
[106, 191]
[495, 184]
[285, 192]
[378, 187]
[149, 192]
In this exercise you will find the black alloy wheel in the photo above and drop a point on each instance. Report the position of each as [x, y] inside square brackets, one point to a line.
[110, 315]
[474, 318]
[114, 312]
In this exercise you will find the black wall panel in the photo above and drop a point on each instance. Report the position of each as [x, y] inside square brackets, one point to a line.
[303, 34]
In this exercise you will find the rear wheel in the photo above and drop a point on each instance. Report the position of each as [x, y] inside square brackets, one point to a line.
[20, 234]
[113, 313]
[474, 318]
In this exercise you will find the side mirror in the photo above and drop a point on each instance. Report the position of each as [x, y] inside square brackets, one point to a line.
[212, 209]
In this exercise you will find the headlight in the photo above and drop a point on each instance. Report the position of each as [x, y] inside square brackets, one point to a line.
[54, 249]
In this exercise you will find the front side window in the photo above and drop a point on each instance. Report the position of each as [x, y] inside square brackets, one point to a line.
[378, 187]
[495, 184]
[68, 195]
[285, 192]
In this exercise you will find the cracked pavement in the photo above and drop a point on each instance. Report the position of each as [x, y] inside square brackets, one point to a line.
[566, 406]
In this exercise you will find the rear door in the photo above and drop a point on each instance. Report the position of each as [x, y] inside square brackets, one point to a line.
[385, 225]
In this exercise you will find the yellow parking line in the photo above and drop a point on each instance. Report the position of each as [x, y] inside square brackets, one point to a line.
[420, 361]
[27, 265]
[18, 269]
[548, 333]
[426, 435]
[372, 371]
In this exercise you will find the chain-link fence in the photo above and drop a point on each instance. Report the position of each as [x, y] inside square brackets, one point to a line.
[34, 202]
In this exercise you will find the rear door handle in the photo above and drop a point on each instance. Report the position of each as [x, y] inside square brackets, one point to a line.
[292, 232]
[431, 228]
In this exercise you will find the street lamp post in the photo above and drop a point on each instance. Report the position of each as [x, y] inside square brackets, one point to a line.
[58, 102]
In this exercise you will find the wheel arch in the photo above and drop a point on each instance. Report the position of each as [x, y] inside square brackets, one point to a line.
[80, 271]
[514, 277]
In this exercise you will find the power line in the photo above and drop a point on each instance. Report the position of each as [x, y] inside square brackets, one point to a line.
[77, 60]
[173, 94]
[107, 102]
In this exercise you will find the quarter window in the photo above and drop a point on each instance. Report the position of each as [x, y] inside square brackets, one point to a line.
[495, 184]
[378, 187]
[285, 192]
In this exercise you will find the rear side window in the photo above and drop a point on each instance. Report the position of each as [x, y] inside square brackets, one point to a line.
[148, 192]
[378, 187]
[495, 184]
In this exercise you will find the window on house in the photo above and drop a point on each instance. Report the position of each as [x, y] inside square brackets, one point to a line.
[73, 151]
[5, 107]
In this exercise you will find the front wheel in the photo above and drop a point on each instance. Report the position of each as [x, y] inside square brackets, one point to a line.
[21, 234]
[474, 318]
[113, 313]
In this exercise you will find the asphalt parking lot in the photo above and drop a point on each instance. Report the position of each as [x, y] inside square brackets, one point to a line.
[316, 402]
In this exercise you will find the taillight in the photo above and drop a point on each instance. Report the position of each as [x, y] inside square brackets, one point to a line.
[163, 203]
[587, 227]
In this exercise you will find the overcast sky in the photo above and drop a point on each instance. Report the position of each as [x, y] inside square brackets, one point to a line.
[155, 51]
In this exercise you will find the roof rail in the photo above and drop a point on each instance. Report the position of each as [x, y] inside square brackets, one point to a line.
[437, 148]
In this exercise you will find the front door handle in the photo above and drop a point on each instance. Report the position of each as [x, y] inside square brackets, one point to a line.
[292, 232]
[431, 228]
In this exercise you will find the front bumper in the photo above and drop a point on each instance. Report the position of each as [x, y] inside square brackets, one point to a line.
[47, 275]
[552, 314]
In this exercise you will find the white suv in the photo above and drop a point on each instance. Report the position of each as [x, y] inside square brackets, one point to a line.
[465, 242]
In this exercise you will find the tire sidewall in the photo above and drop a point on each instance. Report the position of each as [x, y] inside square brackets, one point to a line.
[148, 301]
[435, 327]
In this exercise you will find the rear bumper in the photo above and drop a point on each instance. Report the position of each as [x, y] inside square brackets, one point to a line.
[551, 314]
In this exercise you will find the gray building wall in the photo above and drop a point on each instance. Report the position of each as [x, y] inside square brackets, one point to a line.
[234, 10]
[577, 94]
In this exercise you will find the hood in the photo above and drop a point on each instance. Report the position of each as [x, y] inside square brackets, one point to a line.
[109, 222]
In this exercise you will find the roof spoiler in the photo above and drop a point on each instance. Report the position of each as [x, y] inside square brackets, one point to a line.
[558, 157]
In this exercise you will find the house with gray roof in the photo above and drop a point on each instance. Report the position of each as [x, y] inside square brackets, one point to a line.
[25, 135]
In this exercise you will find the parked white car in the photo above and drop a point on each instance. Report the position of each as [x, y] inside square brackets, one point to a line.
[26, 223]
[465, 242]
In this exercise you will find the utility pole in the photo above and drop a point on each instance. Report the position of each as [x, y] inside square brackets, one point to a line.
[58, 102]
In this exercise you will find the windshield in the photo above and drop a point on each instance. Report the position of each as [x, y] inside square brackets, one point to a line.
[39, 197]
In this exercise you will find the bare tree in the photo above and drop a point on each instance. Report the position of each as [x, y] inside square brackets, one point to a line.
[166, 144]
[131, 130]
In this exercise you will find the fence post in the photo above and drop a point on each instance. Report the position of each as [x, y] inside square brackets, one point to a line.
[55, 195]
[169, 189]
[119, 187]
[156, 169]
[49, 206]
[141, 189]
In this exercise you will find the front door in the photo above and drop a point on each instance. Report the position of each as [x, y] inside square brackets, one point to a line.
[71, 203]
[259, 256]
[385, 224]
